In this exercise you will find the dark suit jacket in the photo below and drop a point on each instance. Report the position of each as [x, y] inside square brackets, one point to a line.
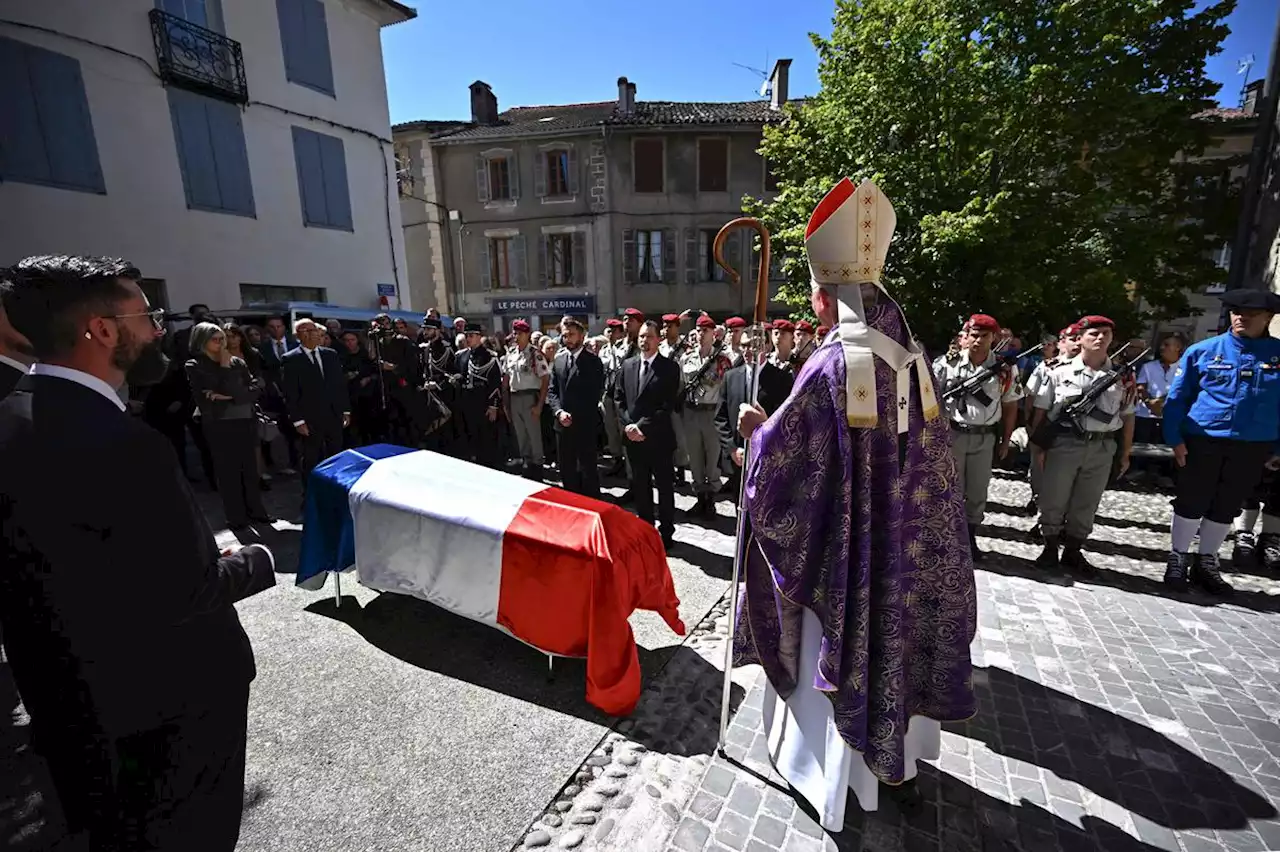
[270, 362]
[8, 379]
[775, 387]
[118, 610]
[319, 400]
[649, 404]
[578, 390]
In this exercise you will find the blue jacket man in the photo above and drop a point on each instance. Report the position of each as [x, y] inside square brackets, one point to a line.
[1222, 418]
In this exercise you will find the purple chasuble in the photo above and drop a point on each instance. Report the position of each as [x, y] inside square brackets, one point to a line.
[877, 550]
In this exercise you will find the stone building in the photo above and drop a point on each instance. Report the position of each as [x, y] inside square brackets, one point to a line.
[583, 209]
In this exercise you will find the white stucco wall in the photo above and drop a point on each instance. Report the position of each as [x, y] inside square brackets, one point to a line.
[203, 256]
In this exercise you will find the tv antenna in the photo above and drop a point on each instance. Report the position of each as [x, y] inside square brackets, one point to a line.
[765, 88]
[1243, 66]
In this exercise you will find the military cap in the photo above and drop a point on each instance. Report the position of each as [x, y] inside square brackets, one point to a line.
[1070, 331]
[613, 322]
[1252, 300]
[735, 322]
[1094, 321]
[823, 331]
[805, 326]
[671, 319]
[520, 325]
[633, 313]
[705, 321]
[432, 322]
[472, 328]
[783, 325]
[982, 322]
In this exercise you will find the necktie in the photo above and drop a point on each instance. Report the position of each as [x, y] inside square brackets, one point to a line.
[644, 370]
[279, 348]
[315, 359]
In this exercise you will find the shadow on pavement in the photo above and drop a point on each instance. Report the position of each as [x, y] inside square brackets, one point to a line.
[711, 564]
[1015, 566]
[1126, 524]
[431, 638]
[1137, 768]
[1093, 545]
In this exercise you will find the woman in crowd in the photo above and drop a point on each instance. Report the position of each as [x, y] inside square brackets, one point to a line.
[240, 346]
[225, 394]
[1153, 386]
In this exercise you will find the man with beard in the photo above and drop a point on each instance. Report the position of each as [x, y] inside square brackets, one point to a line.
[479, 400]
[777, 375]
[16, 357]
[118, 608]
[577, 381]
[646, 394]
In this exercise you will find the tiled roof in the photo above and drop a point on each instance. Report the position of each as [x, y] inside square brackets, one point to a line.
[1225, 114]
[551, 120]
[428, 126]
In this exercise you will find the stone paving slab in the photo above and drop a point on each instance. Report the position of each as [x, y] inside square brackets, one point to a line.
[1112, 716]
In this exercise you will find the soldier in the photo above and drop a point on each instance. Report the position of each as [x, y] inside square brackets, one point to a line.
[1222, 418]
[479, 400]
[804, 343]
[702, 373]
[733, 327]
[823, 331]
[1076, 469]
[438, 380]
[982, 418]
[1068, 347]
[406, 413]
[672, 344]
[525, 378]
[611, 357]
[778, 372]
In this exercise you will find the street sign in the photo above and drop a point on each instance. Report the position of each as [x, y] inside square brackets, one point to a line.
[386, 289]
[574, 305]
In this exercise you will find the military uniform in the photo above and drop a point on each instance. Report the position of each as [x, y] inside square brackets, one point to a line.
[702, 377]
[1224, 408]
[977, 423]
[1077, 468]
[675, 350]
[611, 356]
[526, 374]
[439, 380]
[479, 394]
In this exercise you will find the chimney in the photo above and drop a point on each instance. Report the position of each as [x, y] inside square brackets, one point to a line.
[1252, 94]
[778, 83]
[626, 96]
[484, 106]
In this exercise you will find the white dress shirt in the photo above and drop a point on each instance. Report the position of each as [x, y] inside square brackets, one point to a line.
[81, 378]
[17, 365]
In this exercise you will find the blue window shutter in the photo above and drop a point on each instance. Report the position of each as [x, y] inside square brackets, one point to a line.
[319, 61]
[337, 193]
[195, 149]
[22, 154]
[230, 157]
[306, 152]
[293, 40]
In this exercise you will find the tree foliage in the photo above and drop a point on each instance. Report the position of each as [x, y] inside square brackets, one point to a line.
[1040, 154]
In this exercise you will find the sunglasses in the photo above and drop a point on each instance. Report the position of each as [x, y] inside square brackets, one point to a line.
[157, 317]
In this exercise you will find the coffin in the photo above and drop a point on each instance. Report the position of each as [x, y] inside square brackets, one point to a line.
[554, 569]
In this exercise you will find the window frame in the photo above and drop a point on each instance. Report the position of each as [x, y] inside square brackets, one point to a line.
[566, 240]
[719, 140]
[644, 249]
[508, 244]
[635, 163]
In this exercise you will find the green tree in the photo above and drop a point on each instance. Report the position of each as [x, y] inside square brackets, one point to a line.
[1040, 155]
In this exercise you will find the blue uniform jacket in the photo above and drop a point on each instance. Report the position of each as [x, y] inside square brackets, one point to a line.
[1226, 387]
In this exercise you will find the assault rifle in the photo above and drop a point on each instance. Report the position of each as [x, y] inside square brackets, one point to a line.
[686, 393]
[1071, 419]
[972, 386]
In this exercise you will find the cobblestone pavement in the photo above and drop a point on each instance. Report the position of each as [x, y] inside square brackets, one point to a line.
[1113, 716]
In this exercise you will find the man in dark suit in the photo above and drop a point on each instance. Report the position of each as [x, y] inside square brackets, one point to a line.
[275, 346]
[645, 394]
[118, 609]
[577, 381]
[777, 375]
[15, 356]
[315, 394]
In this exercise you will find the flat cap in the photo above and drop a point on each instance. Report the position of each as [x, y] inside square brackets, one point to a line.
[735, 322]
[520, 325]
[1252, 300]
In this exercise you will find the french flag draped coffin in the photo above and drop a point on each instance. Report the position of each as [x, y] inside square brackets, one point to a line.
[556, 570]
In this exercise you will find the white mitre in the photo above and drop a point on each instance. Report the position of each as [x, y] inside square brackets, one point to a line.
[847, 239]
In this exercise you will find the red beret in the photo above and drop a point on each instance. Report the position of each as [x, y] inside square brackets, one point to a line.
[1070, 331]
[705, 321]
[735, 322]
[805, 326]
[520, 325]
[613, 322]
[823, 330]
[1094, 321]
[671, 318]
[769, 325]
[783, 325]
[982, 322]
[632, 313]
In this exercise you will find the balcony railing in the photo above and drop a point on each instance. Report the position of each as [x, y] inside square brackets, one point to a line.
[195, 58]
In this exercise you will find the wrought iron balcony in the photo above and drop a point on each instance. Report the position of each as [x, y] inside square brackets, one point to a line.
[199, 59]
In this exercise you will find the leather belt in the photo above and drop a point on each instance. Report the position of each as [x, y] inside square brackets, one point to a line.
[968, 429]
[524, 392]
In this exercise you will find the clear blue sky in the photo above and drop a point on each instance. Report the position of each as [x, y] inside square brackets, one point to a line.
[575, 50]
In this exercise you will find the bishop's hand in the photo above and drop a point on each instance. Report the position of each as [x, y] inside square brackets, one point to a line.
[750, 416]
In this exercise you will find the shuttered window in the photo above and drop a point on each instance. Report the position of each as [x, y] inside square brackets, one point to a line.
[648, 166]
[211, 153]
[304, 38]
[46, 133]
[649, 257]
[713, 165]
[322, 179]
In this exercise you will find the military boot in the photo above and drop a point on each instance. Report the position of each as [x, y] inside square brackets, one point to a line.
[1207, 574]
[1073, 558]
[1175, 570]
[1269, 544]
[1048, 558]
[1243, 553]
